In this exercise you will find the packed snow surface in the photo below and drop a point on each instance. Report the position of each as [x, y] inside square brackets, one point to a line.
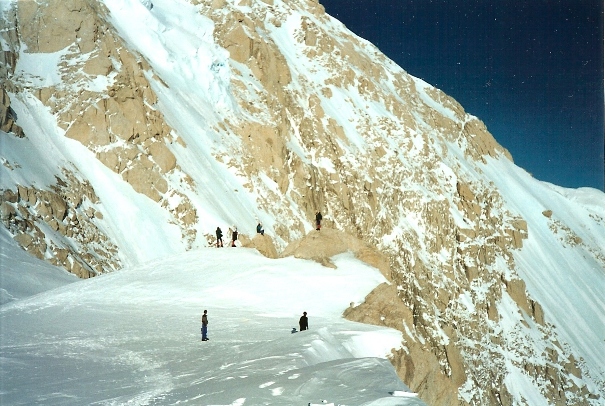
[133, 336]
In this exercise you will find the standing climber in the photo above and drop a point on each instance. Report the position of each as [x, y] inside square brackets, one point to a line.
[205, 326]
[317, 220]
[303, 323]
[233, 236]
[219, 237]
[259, 229]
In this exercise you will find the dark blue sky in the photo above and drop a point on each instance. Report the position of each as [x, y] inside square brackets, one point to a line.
[532, 70]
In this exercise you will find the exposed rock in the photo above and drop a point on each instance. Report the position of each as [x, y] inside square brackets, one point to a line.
[25, 240]
[420, 369]
[120, 124]
[382, 307]
[162, 156]
[263, 243]
[7, 116]
[516, 290]
[321, 245]
[67, 210]
[456, 364]
[537, 312]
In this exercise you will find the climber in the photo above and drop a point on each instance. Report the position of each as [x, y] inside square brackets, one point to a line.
[233, 236]
[219, 237]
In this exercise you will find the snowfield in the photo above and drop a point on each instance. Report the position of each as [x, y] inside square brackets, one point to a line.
[133, 336]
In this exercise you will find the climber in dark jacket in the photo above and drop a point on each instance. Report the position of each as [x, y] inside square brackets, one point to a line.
[317, 220]
[234, 236]
[219, 237]
[303, 323]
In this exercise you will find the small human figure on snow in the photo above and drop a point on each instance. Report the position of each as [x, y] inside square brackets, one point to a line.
[219, 237]
[205, 326]
[233, 236]
[318, 220]
[303, 323]
[259, 229]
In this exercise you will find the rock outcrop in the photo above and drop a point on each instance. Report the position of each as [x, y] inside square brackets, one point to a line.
[59, 225]
[321, 246]
[7, 116]
[263, 243]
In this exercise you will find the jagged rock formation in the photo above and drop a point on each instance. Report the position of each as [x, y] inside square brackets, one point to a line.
[296, 114]
[37, 217]
[7, 116]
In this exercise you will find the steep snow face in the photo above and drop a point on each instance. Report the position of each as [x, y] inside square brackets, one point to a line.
[126, 211]
[135, 334]
[26, 162]
[164, 119]
[563, 262]
[22, 275]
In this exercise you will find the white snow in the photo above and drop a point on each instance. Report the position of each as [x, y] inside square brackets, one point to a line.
[421, 85]
[133, 336]
[46, 145]
[570, 294]
[22, 275]
[24, 164]
[41, 69]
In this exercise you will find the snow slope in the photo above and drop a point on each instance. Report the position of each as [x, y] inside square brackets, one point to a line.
[133, 336]
[23, 275]
[573, 301]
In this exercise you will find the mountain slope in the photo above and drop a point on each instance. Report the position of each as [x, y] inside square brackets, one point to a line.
[155, 123]
[23, 275]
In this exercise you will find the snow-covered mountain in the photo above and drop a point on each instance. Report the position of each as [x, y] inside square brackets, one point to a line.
[132, 129]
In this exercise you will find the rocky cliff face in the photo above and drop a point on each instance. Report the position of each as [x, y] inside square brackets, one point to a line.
[308, 116]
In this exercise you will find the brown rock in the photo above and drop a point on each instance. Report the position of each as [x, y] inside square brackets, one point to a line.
[162, 156]
[238, 44]
[145, 180]
[7, 210]
[456, 362]
[263, 243]
[516, 290]
[537, 312]
[10, 196]
[382, 307]
[321, 245]
[420, 370]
